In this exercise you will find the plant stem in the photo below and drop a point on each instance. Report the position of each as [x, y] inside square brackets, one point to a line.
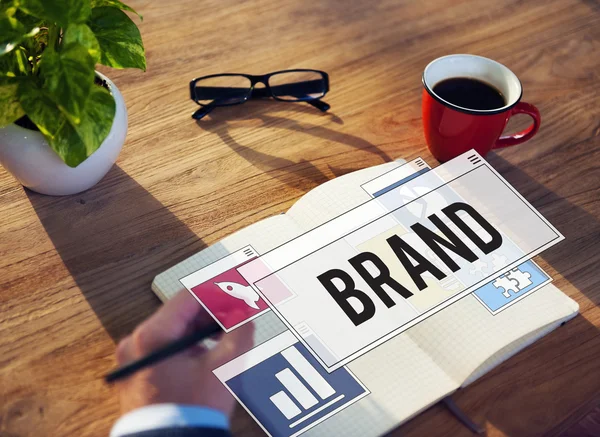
[53, 34]
[35, 66]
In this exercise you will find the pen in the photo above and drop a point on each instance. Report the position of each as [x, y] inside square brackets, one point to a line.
[163, 353]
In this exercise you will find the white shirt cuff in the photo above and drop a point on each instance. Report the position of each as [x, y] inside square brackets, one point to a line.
[168, 416]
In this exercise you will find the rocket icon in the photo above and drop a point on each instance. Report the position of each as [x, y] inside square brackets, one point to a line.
[239, 291]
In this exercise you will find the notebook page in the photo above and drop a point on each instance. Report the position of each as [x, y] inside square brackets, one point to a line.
[515, 347]
[467, 341]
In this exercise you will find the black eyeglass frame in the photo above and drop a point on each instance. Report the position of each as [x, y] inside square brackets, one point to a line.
[267, 91]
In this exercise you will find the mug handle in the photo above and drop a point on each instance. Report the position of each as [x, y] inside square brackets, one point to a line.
[524, 135]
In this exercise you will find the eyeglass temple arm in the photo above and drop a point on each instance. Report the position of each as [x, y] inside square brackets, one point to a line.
[203, 111]
[319, 104]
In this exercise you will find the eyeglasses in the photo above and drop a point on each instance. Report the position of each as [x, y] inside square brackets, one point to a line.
[233, 89]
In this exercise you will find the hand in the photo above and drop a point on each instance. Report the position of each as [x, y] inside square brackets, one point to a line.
[187, 377]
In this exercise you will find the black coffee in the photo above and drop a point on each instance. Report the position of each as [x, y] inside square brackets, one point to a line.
[469, 93]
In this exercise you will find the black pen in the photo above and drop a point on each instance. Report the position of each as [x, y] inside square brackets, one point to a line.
[163, 353]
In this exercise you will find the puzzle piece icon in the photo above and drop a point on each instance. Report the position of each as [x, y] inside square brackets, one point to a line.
[515, 281]
[507, 284]
[477, 268]
[523, 278]
[499, 261]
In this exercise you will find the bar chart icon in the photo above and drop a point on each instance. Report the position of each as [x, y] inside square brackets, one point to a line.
[304, 400]
[285, 389]
[296, 388]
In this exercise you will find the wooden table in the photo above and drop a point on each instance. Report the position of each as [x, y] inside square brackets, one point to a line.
[76, 271]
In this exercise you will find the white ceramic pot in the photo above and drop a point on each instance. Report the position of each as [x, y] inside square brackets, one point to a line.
[26, 154]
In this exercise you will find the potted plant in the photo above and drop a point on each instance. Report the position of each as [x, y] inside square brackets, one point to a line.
[62, 124]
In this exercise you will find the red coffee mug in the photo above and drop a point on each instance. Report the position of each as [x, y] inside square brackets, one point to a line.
[451, 130]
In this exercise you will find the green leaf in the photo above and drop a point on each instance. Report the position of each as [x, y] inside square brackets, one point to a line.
[11, 107]
[97, 119]
[63, 12]
[82, 34]
[41, 109]
[14, 64]
[29, 21]
[119, 38]
[69, 76]
[115, 4]
[8, 7]
[73, 143]
[12, 32]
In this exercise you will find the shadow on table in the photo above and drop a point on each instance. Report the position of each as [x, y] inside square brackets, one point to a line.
[114, 238]
[550, 387]
[573, 257]
[222, 120]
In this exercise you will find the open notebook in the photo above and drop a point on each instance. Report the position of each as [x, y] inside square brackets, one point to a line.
[416, 368]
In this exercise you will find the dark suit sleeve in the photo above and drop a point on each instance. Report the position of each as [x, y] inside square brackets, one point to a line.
[182, 432]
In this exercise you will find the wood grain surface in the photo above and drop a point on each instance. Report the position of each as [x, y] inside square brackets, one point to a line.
[76, 271]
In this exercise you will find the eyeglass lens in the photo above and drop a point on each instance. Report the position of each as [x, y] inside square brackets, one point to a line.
[222, 90]
[298, 85]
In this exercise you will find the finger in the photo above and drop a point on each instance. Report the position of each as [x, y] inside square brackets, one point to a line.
[124, 352]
